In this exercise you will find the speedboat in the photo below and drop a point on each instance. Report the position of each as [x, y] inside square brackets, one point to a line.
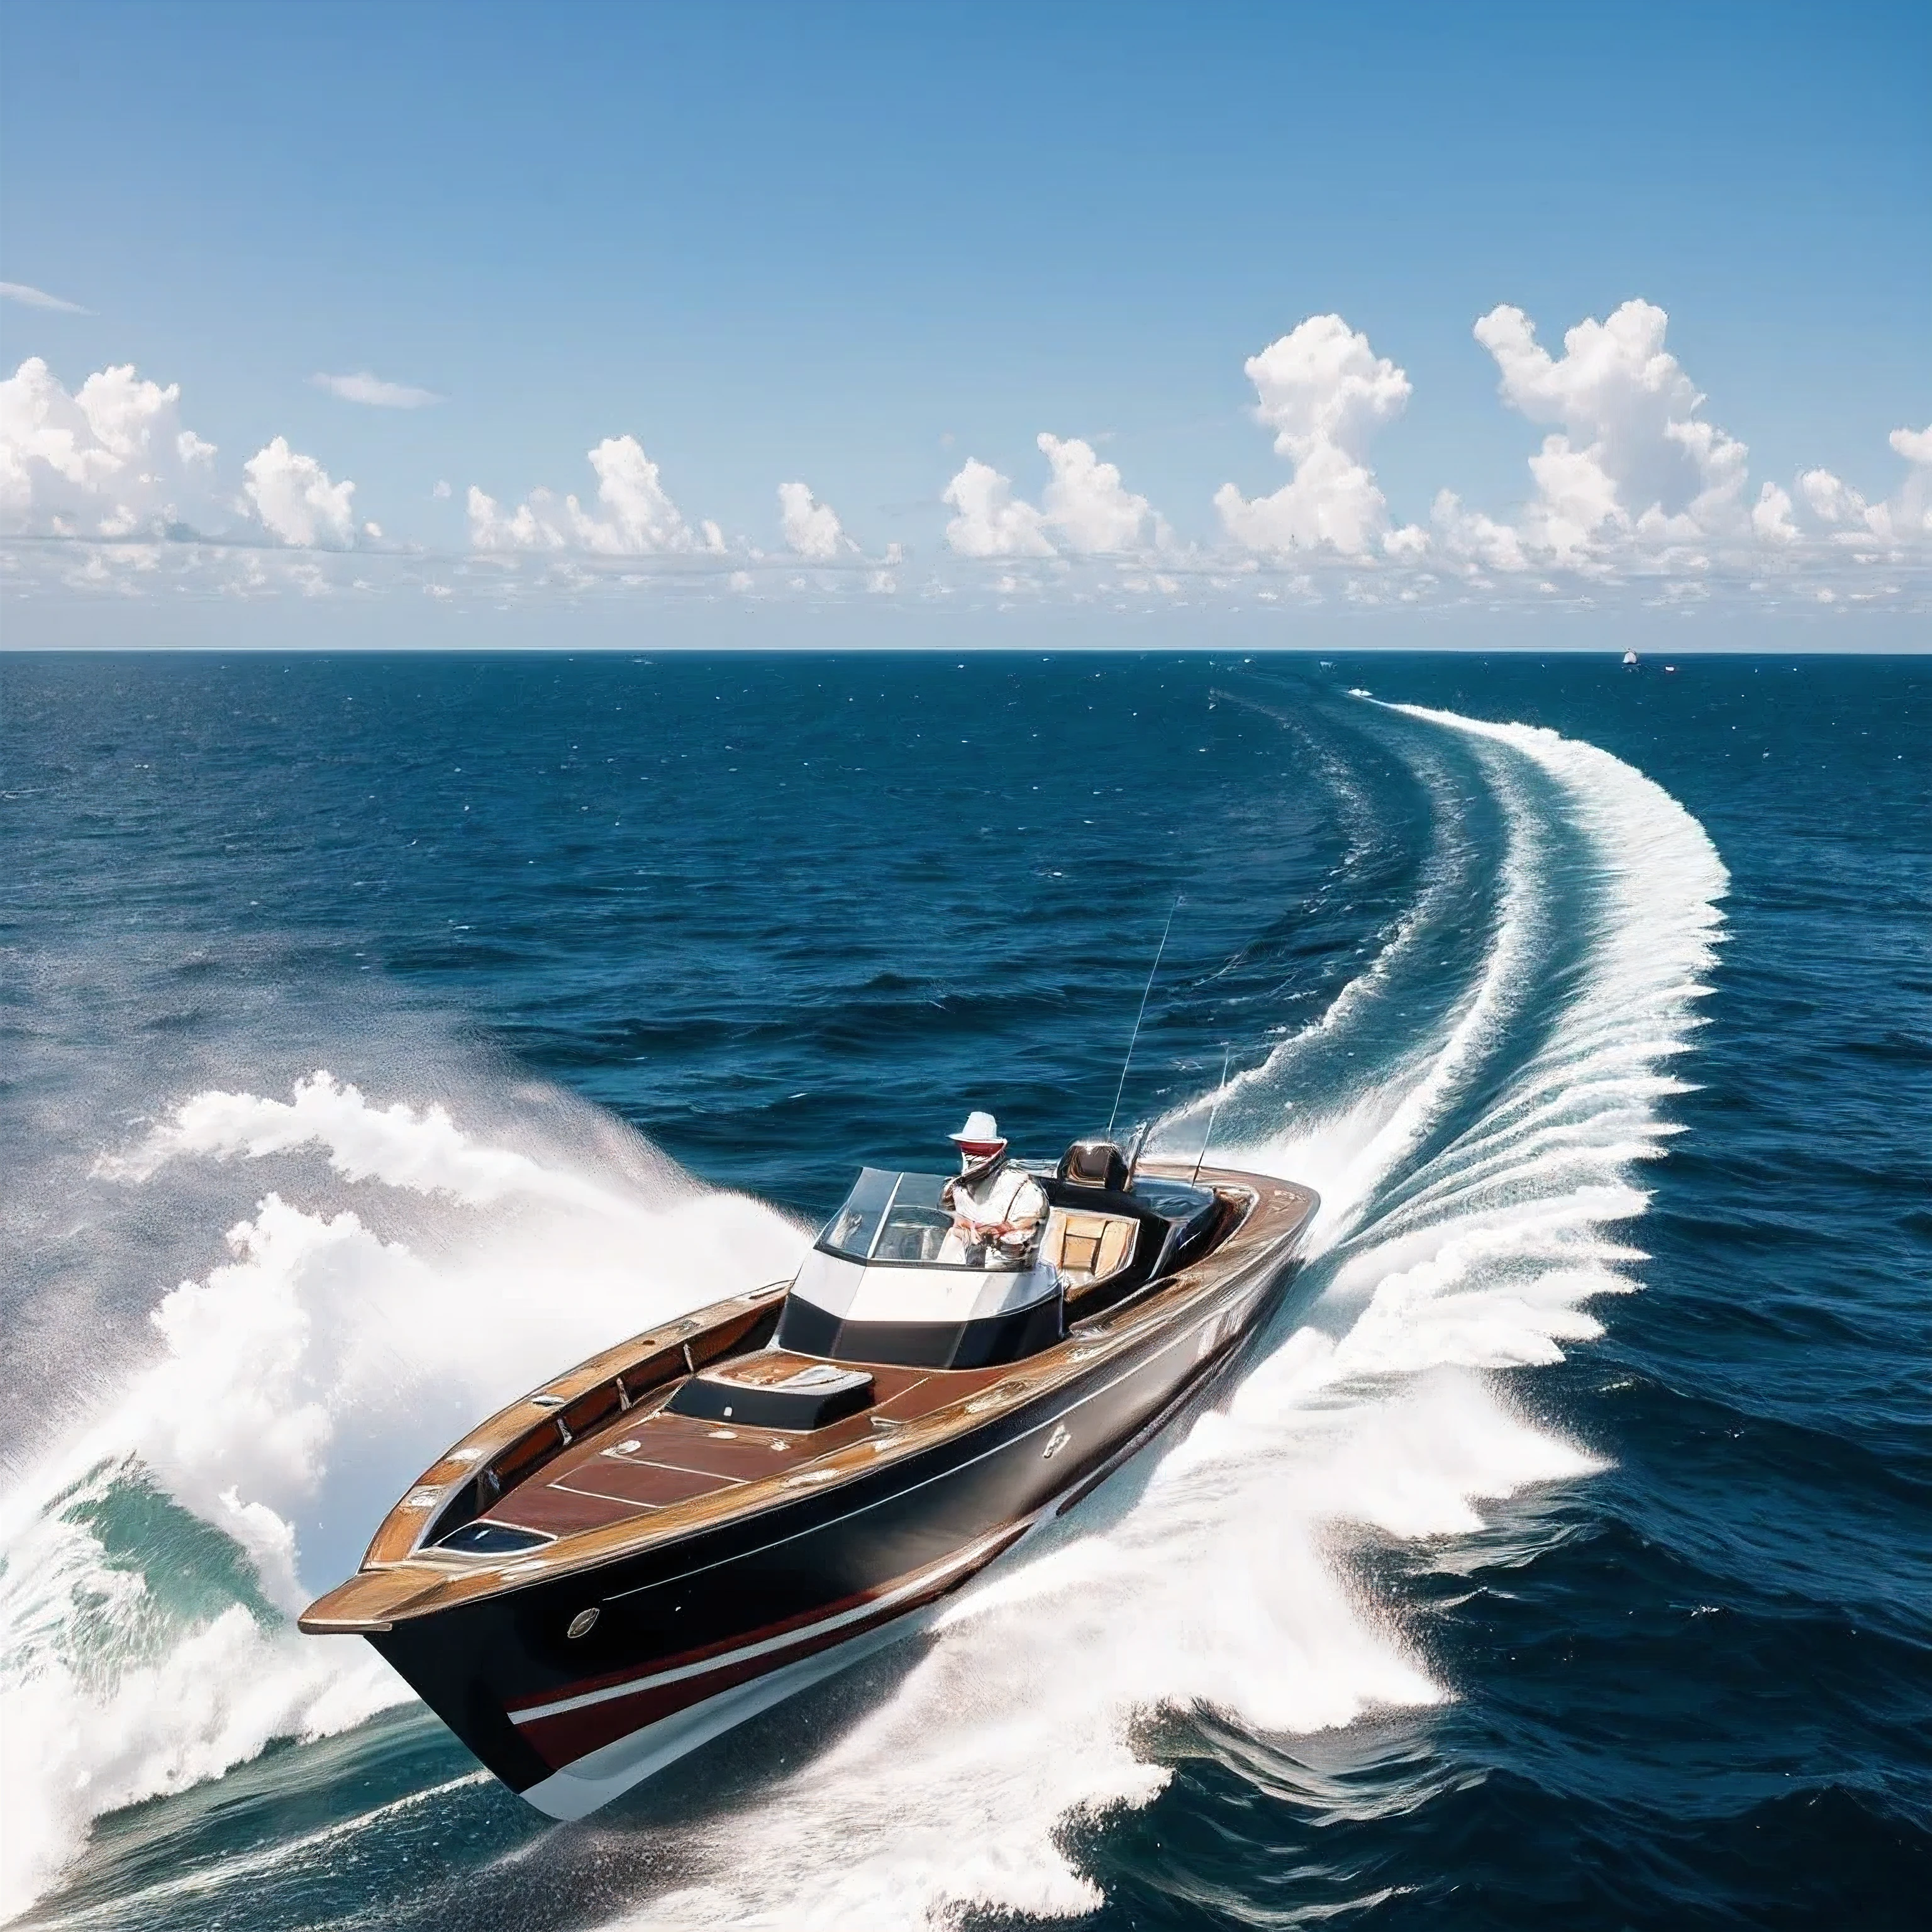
[702, 1520]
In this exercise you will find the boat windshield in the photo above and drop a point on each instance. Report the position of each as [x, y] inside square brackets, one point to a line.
[890, 1217]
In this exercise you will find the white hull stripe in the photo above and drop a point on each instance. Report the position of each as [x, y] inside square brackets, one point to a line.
[915, 1586]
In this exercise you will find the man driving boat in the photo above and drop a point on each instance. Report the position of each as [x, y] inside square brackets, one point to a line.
[998, 1208]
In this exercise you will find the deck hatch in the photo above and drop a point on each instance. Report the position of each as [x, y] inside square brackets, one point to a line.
[814, 1398]
[493, 1539]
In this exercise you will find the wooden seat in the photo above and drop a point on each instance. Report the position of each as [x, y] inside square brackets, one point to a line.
[1088, 1247]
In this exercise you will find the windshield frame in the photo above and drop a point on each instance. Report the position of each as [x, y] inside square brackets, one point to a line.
[877, 1221]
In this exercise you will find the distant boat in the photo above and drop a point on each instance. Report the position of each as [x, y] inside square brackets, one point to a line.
[1629, 660]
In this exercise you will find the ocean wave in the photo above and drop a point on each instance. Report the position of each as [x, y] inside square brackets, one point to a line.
[299, 1387]
[1469, 1189]
[1477, 1170]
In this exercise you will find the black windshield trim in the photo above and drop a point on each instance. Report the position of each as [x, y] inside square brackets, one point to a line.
[805, 1329]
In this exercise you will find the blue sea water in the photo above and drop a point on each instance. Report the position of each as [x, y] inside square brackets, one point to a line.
[380, 1034]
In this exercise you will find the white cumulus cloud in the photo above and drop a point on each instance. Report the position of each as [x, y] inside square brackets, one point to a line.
[990, 520]
[1086, 507]
[1832, 501]
[1848, 517]
[1324, 392]
[114, 460]
[1911, 508]
[1914, 444]
[811, 528]
[375, 393]
[1771, 516]
[111, 460]
[639, 518]
[1632, 473]
[1630, 457]
[1470, 535]
[295, 500]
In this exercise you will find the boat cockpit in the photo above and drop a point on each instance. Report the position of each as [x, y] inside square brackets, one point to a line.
[888, 1282]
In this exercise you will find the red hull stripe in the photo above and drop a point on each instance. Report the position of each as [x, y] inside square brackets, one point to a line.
[696, 1662]
[620, 1681]
[562, 1740]
[764, 1653]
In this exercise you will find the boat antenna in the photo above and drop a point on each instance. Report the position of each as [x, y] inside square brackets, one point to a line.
[1133, 1039]
[1206, 1139]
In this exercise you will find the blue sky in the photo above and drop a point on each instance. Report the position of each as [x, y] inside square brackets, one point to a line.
[855, 245]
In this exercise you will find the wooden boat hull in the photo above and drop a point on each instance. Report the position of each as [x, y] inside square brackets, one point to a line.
[693, 1637]
[572, 1684]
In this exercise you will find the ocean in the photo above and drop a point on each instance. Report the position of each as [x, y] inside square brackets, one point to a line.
[380, 1034]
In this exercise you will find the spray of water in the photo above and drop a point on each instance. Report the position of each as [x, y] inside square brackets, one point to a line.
[1474, 1183]
[297, 1388]
[1443, 1253]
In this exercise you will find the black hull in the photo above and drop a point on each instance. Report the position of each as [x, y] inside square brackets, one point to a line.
[690, 1636]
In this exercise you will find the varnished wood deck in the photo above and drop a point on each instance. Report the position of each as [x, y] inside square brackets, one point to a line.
[638, 1464]
[547, 1454]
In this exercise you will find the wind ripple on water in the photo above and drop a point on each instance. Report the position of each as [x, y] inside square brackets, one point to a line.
[1471, 1104]
[1460, 1235]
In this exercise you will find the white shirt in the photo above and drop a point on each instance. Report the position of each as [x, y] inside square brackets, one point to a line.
[1007, 1196]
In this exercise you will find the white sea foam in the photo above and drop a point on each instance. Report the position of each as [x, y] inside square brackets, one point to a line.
[299, 1386]
[1223, 1585]
[302, 1382]
[421, 1149]
[105, 1700]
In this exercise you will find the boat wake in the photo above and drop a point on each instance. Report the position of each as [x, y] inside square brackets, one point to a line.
[1474, 1107]
[1471, 1194]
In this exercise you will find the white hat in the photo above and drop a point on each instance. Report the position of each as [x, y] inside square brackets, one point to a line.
[979, 1128]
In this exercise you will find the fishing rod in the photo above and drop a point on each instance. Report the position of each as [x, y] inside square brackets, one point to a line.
[1206, 1140]
[1133, 1039]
